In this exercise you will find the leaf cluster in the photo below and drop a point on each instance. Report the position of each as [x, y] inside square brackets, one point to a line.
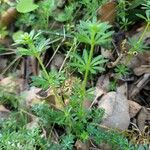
[35, 44]
[92, 32]
[56, 80]
[96, 65]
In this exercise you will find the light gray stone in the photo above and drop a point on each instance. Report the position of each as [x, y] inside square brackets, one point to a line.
[116, 109]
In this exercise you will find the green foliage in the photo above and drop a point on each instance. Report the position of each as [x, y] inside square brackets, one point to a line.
[67, 142]
[136, 46]
[88, 10]
[35, 44]
[122, 14]
[76, 121]
[8, 98]
[45, 12]
[146, 7]
[23, 139]
[80, 63]
[139, 147]
[112, 85]
[93, 32]
[25, 6]
[100, 135]
[56, 79]
[67, 15]
[121, 70]
[26, 20]
[3, 32]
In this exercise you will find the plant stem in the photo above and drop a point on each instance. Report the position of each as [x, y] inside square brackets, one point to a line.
[43, 67]
[87, 68]
[147, 26]
[48, 78]
[140, 39]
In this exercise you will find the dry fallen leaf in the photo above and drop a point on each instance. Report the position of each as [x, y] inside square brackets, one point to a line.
[142, 117]
[108, 12]
[8, 16]
[30, 97]
[134, 108]
[140, 70]
[81, 146]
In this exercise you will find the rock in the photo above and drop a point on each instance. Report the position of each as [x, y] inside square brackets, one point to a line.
[81, 146]
[103, 83]
[134, 108]
[30, 97]
[4, 113]
[116, 109]
[57, 61]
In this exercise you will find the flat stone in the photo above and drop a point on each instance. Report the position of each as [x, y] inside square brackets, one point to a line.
[116, 109]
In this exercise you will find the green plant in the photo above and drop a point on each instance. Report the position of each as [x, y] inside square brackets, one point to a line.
[137, 45]
[92, 33]
[88, 11]
[122, 15]
[9, 98]
[146, 7]
[67, 15]
[120, 72]
[45, 12]
[3, 32]
[35, 49]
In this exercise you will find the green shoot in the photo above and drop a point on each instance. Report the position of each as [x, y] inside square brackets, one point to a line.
[92, 33]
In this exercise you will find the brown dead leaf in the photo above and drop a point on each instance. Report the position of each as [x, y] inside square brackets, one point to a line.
[81, 146]
[107, 12]
[134, 108]
[138, 85]
[105, 146]
[8, 16]
[142, 117]
[30, 97]
[140, 70]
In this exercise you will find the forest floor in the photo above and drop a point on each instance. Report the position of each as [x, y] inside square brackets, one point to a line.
[75, 75]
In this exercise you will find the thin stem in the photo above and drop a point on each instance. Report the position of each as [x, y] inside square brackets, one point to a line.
[43, 67]
[147, 26]
[140, 39]
[87, 68]
[48, 78]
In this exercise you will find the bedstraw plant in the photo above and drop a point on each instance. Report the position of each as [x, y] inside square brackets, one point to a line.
[73, 117]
